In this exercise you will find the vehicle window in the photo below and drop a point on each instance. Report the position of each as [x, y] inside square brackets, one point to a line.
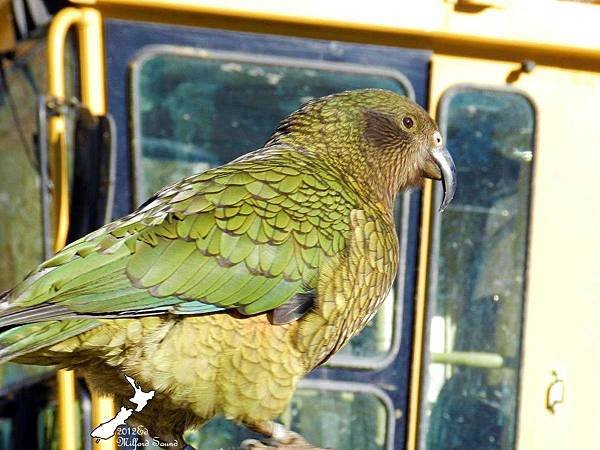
[20, 246]
[476, 288]
[20, 197]
[349, 418]
[24, 399]
[5, 432]
[194, 109]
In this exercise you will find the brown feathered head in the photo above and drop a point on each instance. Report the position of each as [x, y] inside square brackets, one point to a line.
[383, 140]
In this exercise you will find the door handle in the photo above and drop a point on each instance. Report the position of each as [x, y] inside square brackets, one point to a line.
[555, 394]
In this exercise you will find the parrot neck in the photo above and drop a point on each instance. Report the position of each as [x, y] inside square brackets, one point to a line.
[375, 181]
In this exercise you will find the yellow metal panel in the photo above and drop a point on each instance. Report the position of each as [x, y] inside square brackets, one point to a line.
[554, 31]
[563, 288]
[562, 315]
[103, 409]
[57, 126]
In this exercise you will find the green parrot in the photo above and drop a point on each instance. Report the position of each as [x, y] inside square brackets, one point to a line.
[225, 288]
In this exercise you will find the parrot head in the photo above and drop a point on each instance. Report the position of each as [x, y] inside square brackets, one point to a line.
[378, 137]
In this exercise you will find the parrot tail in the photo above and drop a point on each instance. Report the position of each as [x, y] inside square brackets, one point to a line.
[31, 337]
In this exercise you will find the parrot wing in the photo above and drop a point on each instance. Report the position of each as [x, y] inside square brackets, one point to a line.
[251, 235]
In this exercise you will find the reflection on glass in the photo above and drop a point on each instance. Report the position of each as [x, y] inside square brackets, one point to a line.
[197, 112]
[476, 287]
[48, 429]
[21, 221]
[375, 340]
[20, 227]
[346, 421]
[5, 432]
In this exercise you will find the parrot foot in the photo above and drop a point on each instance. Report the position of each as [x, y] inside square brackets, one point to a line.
[280, 438]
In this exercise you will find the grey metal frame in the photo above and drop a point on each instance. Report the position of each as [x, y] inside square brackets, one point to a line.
[112, 170]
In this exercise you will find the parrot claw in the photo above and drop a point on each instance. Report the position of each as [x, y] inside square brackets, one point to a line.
[280, 438]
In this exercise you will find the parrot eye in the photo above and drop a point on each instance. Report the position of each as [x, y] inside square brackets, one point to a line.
[407, 122]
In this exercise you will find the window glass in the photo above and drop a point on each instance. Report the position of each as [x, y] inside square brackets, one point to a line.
[5, 432]
[477, 278]
[20, 197]
[47, 429]
[348, 420]
[197, 111]
[194, 110]
[375, 339]
[20, 221]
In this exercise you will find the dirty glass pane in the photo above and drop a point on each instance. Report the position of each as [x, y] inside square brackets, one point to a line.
[375, 339]
[476, 284]
[194, 111]
[5, 432]
[347, 421]
[21, 220]
[48, 429]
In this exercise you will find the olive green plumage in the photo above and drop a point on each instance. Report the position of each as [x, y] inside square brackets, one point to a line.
[181, 293]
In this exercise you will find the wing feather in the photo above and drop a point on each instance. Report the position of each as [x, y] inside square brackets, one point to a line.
[250, 235]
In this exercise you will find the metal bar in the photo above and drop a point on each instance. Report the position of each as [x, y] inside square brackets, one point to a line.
[89, 27]
[91, 56]
[419, 317]
[103, 409]
[66, 396]
[42, 117]
[57, 34]
[470, 359]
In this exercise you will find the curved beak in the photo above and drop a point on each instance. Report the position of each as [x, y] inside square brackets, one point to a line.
[444, 161]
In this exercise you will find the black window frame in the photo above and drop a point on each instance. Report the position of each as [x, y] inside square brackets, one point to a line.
[124, 39]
